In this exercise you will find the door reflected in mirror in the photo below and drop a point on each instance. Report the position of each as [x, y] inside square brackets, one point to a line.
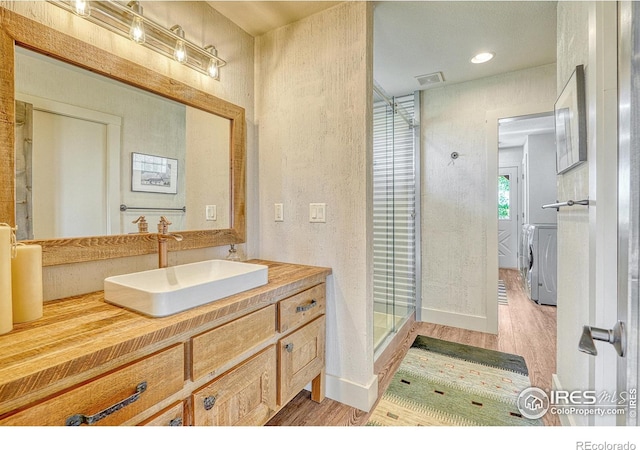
[76, 132]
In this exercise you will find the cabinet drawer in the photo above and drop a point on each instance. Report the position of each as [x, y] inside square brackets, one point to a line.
[244, 396]
[301, 358]
[212, 349]
[301, 308]
[173, 416]
[113, 398]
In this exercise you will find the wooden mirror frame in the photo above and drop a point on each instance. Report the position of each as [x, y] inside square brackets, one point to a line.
[16, 30]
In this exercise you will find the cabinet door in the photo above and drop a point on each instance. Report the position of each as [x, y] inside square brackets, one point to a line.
[301, 358]
[244, 396]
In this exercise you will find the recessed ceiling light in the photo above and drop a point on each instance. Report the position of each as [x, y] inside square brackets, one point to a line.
[482, 58]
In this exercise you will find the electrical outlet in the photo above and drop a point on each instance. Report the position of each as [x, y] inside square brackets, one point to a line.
[211, 213]
[279, 212]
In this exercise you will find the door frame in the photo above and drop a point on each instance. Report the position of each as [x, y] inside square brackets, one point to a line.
[628, 206]
[492, 168]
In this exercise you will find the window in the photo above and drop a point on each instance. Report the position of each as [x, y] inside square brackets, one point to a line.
[504, 206]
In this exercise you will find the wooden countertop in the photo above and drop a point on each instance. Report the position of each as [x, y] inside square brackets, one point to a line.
[82, 336]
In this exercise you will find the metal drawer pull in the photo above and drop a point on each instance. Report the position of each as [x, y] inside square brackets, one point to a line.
[79, 419]
[209, 402]
[289, 347]
[313, 304]
[177, 422]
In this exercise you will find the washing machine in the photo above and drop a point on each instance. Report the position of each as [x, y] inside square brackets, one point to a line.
[541, 263]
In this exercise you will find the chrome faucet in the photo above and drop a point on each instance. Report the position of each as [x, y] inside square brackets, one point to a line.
[163, 235]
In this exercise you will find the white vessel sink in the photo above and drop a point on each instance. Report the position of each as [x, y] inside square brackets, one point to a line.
[162, 292]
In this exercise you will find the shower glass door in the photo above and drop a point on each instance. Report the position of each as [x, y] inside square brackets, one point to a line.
[395, 213]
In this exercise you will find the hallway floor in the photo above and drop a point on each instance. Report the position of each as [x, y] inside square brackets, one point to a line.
[525, 329]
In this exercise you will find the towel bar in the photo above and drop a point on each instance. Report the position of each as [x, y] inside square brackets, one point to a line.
[557, 206]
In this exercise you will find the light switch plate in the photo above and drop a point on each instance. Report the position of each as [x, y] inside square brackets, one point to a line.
[317, 212]
[279, 212]
[211, 213]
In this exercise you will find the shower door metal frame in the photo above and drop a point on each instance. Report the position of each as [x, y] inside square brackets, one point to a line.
[414, 125]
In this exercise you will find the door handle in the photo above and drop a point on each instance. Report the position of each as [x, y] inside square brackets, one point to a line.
[616, 337]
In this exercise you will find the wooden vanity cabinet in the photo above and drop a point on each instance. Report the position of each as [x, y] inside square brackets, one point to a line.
[252, 392]
[233, 362]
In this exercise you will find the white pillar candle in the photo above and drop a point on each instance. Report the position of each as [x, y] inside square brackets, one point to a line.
[26, 283]
[6, 315]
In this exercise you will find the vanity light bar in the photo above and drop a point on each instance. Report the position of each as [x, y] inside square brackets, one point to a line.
[117, 17]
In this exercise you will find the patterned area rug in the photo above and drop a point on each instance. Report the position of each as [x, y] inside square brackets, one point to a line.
[502, 293]
[444, 383]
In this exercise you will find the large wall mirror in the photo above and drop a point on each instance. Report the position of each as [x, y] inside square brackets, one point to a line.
[91, 141]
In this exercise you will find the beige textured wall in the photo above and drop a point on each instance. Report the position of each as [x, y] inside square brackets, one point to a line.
[210, 177]
[314, 94]
[203, 25]
[454, 195]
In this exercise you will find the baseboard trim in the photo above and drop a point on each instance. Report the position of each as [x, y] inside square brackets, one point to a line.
[565, 420]
[352, 394]
[451, 319]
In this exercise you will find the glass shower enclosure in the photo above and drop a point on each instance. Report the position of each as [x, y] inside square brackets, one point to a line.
[396, 261]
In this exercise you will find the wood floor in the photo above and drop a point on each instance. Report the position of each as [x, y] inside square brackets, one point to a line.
[525, 329]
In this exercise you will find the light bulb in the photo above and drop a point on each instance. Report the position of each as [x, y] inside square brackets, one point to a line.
[180, 50]
[82, 8]
[482, 58]
[212, 67]
[136, 32]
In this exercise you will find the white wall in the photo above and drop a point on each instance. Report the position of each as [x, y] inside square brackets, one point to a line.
[314, 95]
[454, 195]
[510, 157]
[541, 178]
[202, 24]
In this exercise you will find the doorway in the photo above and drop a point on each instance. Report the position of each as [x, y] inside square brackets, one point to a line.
[526, 182]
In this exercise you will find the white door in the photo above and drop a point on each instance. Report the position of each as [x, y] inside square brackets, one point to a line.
[617, 319]
[68, 148]
[508, 217]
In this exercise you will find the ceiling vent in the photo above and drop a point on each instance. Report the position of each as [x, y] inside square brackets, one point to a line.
[430, 79]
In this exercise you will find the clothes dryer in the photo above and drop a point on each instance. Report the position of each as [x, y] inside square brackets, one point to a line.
[542, 276]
